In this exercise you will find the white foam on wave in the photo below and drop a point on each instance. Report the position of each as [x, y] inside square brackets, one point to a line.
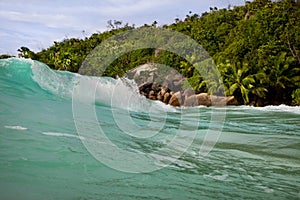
[280, 108]
[20, 128]
[165, 107]
[219, 177]
[118, 93]
[56, 134]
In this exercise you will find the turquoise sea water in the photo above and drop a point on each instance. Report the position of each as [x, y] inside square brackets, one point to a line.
[44, 156]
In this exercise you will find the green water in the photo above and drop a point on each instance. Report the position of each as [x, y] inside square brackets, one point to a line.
[42, 155]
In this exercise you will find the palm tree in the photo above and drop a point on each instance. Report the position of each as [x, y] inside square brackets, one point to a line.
[259, 91]
[239, 82]
[282, 76]
[209, 80]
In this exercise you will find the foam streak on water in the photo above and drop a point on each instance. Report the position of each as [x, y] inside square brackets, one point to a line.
[43, 157]
[21, 128]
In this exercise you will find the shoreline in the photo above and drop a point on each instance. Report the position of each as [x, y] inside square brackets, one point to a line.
[188, 98]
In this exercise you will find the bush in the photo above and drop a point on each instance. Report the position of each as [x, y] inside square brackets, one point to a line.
[296, 96]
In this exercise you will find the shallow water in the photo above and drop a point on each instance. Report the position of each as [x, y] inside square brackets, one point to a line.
[44, 156]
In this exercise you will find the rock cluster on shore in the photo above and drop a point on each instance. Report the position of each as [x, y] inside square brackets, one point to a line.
[185, 97]
[162, 83]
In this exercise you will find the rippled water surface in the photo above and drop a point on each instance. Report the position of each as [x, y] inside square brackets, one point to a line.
[42, 155]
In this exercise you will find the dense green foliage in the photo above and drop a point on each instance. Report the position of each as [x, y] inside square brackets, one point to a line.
[256, 48]
[4, 56]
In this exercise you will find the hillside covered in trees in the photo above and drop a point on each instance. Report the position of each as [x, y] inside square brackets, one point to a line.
[256, 48]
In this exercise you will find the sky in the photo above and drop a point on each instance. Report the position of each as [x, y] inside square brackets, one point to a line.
[36, 24]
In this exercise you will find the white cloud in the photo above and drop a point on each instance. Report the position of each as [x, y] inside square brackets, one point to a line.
[134, 7]
[49, 20]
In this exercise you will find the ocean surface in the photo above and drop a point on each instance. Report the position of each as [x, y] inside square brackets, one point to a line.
[58, 143]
